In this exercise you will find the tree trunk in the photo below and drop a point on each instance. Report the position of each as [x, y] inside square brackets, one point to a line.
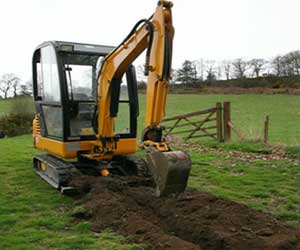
[257, 73]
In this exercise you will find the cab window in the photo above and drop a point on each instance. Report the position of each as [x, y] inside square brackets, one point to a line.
[48, 78]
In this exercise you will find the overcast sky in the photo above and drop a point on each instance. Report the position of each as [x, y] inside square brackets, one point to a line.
[211, 29]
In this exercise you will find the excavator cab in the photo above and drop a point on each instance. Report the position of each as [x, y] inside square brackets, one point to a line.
[65, 85]
[66, 122]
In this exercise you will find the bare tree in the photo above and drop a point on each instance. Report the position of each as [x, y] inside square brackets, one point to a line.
[287, 65]
[291, 63]
[296, 61]
[26, 89]
[277, 64]
[200, 67]
[239, 67]
[173, 76]
[226, 66]
[7, 82]
[210, 70]
[257, 65]
[219, 72]
[16, 86]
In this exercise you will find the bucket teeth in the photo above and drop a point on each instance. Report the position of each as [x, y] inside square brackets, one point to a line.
[170, 171]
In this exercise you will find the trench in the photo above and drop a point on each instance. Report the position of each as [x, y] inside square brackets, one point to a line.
[192, 220]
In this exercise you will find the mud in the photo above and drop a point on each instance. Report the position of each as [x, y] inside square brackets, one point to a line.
[193, 220]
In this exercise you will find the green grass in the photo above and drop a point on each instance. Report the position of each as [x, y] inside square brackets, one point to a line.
[5, 106]
[11, 104]
[33, 215]
[248, 112]
[270, 186]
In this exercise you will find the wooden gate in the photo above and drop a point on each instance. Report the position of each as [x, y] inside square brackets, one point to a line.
[204, 123]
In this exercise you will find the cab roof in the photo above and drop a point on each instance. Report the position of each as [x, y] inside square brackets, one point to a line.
[78, 47]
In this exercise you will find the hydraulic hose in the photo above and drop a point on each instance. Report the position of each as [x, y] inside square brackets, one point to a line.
[150, 28]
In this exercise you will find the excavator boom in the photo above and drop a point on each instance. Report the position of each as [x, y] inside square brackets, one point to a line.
[170, 168]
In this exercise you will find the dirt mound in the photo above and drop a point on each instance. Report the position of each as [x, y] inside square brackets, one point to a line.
[192, 220]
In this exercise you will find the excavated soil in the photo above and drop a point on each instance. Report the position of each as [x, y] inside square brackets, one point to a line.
[192, 220]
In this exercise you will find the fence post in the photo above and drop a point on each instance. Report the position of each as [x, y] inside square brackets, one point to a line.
[266, 129]
[226, 120]
[219, 122]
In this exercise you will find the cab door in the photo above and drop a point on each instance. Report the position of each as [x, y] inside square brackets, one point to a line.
[47, 92]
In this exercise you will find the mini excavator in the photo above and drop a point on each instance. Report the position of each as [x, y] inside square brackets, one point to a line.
[87, 108]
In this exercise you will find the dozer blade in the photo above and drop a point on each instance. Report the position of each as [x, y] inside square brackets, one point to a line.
[170, 171]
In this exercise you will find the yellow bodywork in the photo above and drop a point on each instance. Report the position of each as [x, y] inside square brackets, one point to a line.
[114, 65]
[117, 63]
[69, 150]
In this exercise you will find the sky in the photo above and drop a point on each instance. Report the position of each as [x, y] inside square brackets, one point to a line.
[210, 29]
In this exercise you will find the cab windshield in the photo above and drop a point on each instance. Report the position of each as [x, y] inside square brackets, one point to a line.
[81, 73]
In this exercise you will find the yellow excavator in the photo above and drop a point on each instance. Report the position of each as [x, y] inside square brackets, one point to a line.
[87, 108]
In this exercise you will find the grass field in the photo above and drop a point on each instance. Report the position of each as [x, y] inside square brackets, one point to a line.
[270, 186]
[5, 106]
[34, 216]
[248, 112]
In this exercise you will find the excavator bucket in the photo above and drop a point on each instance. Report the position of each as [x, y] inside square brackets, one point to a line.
[170, 171]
